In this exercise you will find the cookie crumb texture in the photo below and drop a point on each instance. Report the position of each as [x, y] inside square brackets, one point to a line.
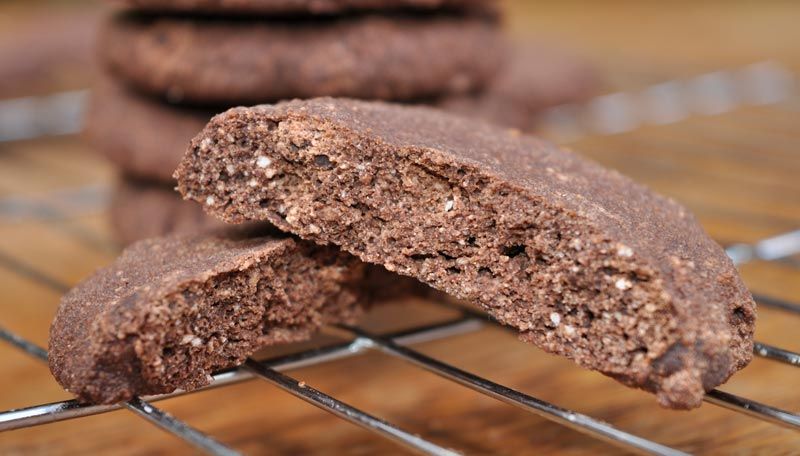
[206, 61]
[171, 311]
[581, 260]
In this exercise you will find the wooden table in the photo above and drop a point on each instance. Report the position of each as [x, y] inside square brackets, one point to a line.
[738, 171]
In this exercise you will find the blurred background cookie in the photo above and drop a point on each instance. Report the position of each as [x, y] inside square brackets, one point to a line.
[117, 119]
[141, 210]
[215, 61]
[535, 76]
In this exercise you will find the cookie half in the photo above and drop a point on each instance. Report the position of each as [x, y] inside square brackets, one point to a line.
[213, 62]
[584, 262]
[170, 311]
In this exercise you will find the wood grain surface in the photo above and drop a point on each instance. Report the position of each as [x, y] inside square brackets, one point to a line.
[737, 171]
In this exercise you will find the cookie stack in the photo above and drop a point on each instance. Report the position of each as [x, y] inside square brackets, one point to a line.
[171, 65]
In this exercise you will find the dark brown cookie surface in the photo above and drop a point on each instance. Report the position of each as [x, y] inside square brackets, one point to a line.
[378, 57]
[581, 260]
[170, 311]
[270, 7]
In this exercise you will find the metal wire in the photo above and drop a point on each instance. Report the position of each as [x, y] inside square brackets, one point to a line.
[774, 248]
[776, 303]
[776, 354]
[28, 347]
[139, 406]
[470, 321]
[32, 416]
[613, 109]
[754, 409]
[65, 410]
[770, 249]
[178, 428]
[345, 411]
[34, 117]
[573, 420]
[759, 84]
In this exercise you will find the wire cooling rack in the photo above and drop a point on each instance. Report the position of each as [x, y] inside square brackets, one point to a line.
[397, 345]
[354, 341]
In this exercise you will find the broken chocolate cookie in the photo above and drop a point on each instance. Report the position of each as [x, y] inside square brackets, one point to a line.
[584, 262]
[170, 311]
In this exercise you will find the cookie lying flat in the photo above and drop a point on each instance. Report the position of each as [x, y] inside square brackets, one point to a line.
[141, 210]
[535, 77]
[270, 7]
[581, 260]
[152, 156]
[216, 62]
[170, 311]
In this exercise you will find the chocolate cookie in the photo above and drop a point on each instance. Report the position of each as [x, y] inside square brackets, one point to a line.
[139, 135]
[535, 77]
[582, 261]
[284, 7]
[170, 311]
[141, 210]
[223, 62]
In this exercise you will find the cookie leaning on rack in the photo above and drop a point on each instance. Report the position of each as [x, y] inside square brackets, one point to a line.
[584, 262]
